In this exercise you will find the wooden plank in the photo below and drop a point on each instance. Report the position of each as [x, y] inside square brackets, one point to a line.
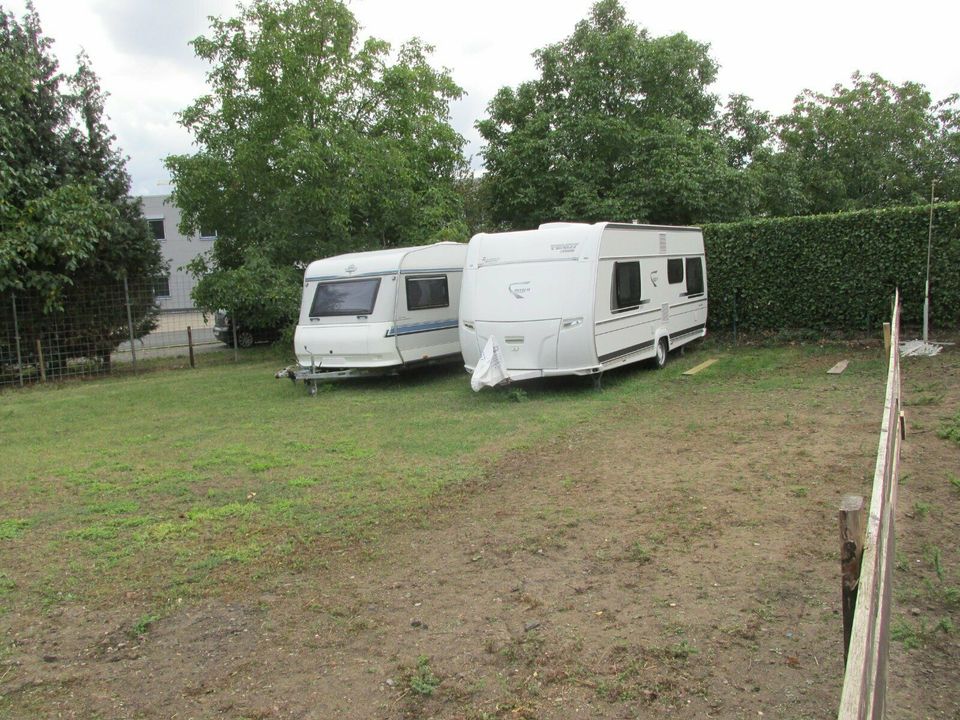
[838, 368]
[865, 680]
[701, 366]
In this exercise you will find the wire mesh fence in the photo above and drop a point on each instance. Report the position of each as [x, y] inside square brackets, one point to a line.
[114, 328]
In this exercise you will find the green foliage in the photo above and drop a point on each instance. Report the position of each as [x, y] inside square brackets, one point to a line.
[11, 529]
[872, 144]
[834, 271]
[142, 625]
[422, 680]
[903, 632]
[619, 125]
[259, 293]
[68, 229]
[950, 430]
[312, 144]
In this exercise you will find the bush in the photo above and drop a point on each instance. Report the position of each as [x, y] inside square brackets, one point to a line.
[834, 272]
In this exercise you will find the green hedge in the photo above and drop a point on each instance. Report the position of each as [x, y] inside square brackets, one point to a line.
[834, 272]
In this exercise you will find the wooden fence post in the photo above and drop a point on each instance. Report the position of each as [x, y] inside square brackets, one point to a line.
[43, 368]
[190, 345]
[851, 552]
[886, 337]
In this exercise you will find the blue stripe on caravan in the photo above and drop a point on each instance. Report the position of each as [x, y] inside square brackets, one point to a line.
[422, 327]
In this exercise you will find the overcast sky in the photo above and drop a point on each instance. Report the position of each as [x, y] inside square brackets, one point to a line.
[767, 50]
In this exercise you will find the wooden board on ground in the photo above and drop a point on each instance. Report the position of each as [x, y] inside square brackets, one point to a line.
[701, 366]
[838, 368]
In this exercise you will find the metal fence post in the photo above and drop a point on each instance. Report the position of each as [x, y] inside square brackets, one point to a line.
[126, 295]
[16, 336]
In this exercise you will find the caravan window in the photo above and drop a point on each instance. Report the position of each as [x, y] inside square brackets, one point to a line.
[675, 271]
[626, 286]
[694, 276]
[427, 292]
[348, 297]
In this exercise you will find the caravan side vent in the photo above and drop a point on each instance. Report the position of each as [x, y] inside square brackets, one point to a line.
[665, 312]
[663, 243]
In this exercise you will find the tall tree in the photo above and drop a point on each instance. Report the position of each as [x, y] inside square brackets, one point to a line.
[619, 125]
[68, 230]
[872, 144]
[313, 142]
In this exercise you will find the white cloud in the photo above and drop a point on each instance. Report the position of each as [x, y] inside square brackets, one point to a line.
[769, 51]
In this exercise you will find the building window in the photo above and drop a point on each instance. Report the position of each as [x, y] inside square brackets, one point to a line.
[675, 271]
[156, 228]
[626, 293]
[161, 287]
[349, 297]
[694, 276]
[427, 292]
[207, 234]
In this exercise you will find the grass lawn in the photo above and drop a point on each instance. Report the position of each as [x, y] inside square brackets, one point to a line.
[168, 543]
[190, 483]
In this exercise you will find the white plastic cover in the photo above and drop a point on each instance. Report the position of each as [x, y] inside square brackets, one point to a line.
[491, 369]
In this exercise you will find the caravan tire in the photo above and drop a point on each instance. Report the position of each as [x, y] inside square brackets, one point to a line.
[661, 357]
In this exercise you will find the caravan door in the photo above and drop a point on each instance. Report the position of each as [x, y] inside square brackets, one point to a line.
[427, 305]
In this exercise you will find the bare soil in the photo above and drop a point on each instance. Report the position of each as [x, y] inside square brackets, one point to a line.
[679, 560]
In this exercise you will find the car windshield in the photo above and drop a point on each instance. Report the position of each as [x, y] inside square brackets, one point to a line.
[346, 297]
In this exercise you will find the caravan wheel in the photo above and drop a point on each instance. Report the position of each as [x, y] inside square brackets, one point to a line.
[661, 358]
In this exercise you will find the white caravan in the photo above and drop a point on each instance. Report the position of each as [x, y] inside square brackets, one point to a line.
[378, 311]
[578, 299]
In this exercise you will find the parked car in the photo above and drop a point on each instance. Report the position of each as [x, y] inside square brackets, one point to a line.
[247, 335]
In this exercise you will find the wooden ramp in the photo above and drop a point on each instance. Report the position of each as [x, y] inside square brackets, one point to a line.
[702, 366]
[838, 368]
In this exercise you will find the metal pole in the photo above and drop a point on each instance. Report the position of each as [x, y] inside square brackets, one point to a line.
[126, 295]
[16, 335]
[926, 295]
[734, 317]
[233, 326]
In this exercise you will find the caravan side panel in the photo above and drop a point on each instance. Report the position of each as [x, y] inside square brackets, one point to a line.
[639, 298]
[428, 302]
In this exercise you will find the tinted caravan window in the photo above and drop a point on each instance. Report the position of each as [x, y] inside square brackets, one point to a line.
[674, 271]
[694, 276]
[626, 277]
[349, 297]
[427, 292]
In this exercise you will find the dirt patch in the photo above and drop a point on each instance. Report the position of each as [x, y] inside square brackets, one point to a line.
[679, 559]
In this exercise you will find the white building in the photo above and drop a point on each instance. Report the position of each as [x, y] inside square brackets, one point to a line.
[178, 250]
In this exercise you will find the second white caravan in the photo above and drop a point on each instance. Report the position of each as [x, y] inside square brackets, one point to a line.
[578, 299]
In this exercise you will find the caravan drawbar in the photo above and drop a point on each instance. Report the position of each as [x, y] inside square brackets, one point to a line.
[578, 299]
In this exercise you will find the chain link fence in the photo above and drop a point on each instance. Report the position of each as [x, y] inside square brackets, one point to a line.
[115, 328]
